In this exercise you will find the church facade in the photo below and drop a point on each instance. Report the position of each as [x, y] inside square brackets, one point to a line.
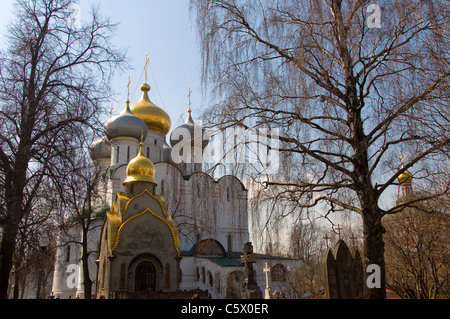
[168, 228]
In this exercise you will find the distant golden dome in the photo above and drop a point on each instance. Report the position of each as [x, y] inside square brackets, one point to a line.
[154, 117]
[406, 177]
[140, 169]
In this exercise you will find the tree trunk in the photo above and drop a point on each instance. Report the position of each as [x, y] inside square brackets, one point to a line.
[85, 264]
[7, 253]
[373, 251]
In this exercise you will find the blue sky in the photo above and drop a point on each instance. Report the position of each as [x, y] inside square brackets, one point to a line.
[164, 30]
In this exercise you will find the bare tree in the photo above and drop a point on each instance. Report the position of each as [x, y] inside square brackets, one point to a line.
[348, 94]
[417, 252]
[53, 80]
[83, 204]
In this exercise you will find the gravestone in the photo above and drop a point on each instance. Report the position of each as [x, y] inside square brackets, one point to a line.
[250, 289]
[343, 273]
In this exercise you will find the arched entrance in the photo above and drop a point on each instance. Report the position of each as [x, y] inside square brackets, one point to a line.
[145, 277]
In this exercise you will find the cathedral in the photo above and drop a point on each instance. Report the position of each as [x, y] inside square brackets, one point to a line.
[164, 228]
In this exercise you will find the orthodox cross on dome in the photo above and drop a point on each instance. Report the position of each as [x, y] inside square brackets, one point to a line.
[128, 88]
[401, 157]
[189, 96]
[146, 66]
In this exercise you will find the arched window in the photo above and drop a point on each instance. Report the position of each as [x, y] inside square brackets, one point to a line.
[210, 279]
[145, 278]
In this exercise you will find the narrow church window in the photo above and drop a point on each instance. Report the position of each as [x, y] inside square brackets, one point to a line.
[145, 278]
[228, 194]
[203, 275]
[210, 279]
[230, 243]
[67, 253]
[128, 154]
[117, 154]
[162, 187]
[156, 142]
[148, 152]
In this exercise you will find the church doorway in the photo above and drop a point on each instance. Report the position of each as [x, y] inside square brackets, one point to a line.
[145, 278]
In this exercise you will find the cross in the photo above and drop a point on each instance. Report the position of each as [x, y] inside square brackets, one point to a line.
[326, 239]
[353, 238]
[267, 270]
[111, 111]
[339, 228]
[189, 96]
[401, 157]
[146, 66]
[128, 88]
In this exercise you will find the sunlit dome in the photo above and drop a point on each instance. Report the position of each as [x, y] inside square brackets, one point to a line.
[154, 117]
[140, 169]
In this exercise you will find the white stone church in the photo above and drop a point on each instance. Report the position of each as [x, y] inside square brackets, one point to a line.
[162, 227]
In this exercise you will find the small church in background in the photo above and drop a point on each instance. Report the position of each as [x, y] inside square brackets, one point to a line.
[164, 229]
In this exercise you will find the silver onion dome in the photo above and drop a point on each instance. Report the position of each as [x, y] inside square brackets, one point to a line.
[100, 149]
[189, 127]
[126, 124]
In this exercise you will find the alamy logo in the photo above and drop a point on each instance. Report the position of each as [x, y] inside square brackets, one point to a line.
[374, 19]
[257, 147]
[374, 279]
[74, 18]
[73, 277]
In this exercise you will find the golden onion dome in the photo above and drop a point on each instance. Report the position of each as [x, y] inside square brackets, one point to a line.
[140, 169]
[405, 177]
[154, 117]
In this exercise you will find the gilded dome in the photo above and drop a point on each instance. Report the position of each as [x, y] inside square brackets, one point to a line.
[140, 169]
[154, 117]
[406, 176]
[100, 149]
[126, 124]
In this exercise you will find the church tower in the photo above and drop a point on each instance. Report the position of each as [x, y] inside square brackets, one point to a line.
[405, 180]
[139, 254]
